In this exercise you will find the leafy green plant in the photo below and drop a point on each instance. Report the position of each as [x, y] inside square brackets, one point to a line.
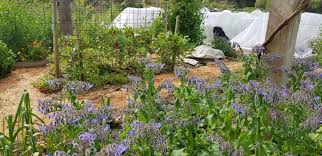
[6, 59]
[27, 33]
[220, 44]
[317, 48]
[22, 124]
[253, 69]
[171, 48]
[190, 18]
[43, 84]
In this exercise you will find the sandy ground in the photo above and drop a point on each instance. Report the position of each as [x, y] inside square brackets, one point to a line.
[12, 87]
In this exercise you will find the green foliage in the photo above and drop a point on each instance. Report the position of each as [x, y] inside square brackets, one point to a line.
[171, 48]
[27, 33]
[103, 57]
[220, 44]
[6, 59]
[317, 48]
[190, 18]
[42, 84]
[21, 130]
[253, 69]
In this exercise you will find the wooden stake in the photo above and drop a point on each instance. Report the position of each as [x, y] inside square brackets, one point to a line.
[165, 17]
[55, 39]
[176, 30]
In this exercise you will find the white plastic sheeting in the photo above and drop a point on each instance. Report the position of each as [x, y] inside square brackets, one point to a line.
[246, 29]
[249, 29]
[136, 17]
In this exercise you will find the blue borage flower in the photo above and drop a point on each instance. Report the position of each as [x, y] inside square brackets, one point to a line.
[239, 109]
[55, 84]
[198, 83]
[150, 131]
[60, 153]
[46, 106]
[223, 68]
[167, 84]
[181, 72]
[79, 87]
[156, 68]
[87, 138]
[134, 80]
[114, 149]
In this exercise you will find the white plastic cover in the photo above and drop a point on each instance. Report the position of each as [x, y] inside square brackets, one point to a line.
[136, 17]
[246, 29]
[255, 25]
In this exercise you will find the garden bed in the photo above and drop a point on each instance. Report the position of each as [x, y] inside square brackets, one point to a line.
[12, 87]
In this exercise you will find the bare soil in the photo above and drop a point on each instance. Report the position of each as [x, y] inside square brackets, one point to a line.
[12, 87]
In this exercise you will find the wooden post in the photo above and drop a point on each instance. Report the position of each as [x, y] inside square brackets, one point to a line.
[65, 16]
[176, 30]
[283, 43]
[55, 39]
[165, 16]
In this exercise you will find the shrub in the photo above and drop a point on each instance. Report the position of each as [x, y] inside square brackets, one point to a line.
[190, 18]
[27, 33]
[104, 57]
[48, 84]
[171, 48]
[6, 59]
[220, 44]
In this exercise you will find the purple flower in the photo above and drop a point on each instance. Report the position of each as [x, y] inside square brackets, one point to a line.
[181, 72]
[134, 80]
[167, 84]
[156, 68]
[46, 106]
[223, 68]
[239, 109]
[79, 87]
[55, 84]
[86, 138]
[60, 153]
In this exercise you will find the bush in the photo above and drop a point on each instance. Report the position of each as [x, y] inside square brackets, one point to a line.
[44, 86]
[27, 33]
[171, 48]
[190, 18]
[220, 44]
[104, 56]
[6, 59]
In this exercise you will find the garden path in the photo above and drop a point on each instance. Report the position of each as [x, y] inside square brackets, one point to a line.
[12, 87]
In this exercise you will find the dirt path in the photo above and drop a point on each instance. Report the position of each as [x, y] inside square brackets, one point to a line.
[12, 87]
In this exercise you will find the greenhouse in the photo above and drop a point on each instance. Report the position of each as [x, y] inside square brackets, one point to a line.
[160, 77]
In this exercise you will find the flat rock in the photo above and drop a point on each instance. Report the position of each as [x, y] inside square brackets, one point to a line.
[206, 52]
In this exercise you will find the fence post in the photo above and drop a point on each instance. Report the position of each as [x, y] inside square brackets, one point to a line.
[283, 43]
[176, 30]
[55, 39]
[65, 17]
[165, 16]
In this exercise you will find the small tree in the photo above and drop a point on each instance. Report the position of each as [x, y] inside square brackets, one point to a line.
[190, 18]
